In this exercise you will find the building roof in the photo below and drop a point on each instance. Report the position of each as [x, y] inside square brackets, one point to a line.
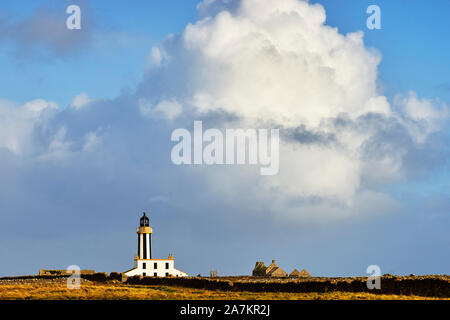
[260, 266]
[275, 271]
[260, 269]
[155, 260]
[271, 268]
[303, 273]
[181, 271]
[129, 270]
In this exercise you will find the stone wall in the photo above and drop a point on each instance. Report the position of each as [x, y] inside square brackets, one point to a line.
[43, 272]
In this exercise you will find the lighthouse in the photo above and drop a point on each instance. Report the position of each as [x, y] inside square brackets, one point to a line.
[144, 265]
[144, 238]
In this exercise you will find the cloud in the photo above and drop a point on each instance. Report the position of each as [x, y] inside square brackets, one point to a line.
[167, 109]
[421, 116]
[277, 64]
[44, 32]
[260, 64]
[80, 101]
[17, 124]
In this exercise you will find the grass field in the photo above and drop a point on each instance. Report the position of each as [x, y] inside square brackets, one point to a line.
[57, 290]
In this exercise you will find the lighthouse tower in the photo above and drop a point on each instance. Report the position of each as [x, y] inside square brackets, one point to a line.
[144, 265]
[144, 238]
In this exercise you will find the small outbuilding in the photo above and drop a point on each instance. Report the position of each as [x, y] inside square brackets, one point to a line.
[299, 274]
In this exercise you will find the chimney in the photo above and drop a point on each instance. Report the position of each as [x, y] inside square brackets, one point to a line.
[273, 261]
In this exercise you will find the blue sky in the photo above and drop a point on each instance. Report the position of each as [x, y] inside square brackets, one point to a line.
[411, 42]
[81, 207]
[118, 30]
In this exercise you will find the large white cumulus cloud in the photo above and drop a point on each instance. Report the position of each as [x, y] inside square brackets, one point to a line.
[276, 63]
[249, 63]
[275, 60]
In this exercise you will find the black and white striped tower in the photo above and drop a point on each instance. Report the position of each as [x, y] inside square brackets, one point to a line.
[144, 238]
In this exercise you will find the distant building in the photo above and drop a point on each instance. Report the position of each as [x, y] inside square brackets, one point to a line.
[213, 273]
[299, 274]
[274, 270]
[144, 265]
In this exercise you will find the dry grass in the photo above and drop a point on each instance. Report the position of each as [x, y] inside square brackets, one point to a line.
[57, 290]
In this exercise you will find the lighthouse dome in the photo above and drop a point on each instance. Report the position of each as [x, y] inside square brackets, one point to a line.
[144, 222]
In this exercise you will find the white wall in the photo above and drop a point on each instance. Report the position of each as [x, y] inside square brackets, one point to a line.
[161, 269]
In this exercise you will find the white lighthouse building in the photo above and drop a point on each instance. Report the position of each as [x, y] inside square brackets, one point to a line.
[144, 265]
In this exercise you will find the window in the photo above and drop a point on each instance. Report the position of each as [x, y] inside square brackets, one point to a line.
[144, 274]
[155, 274]
[167, 265]
[144, 266]
[167, 274]
[155, 265]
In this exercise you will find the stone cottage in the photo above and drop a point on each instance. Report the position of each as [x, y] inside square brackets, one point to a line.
[274, 270]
